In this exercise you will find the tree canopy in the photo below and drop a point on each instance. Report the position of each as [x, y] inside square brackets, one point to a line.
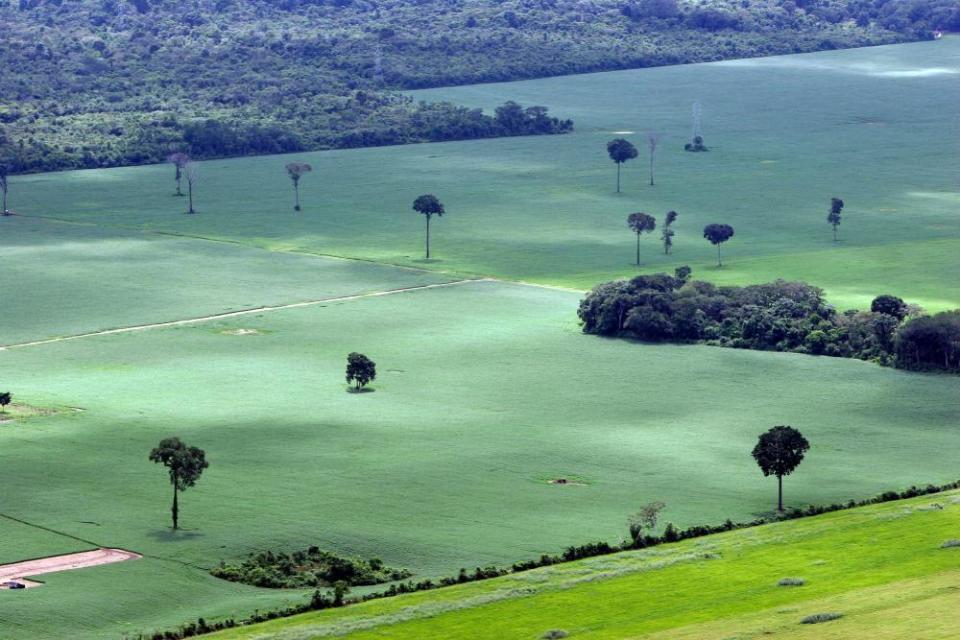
[778, 453]
[717, 234]
[184, 465]
[361, 370]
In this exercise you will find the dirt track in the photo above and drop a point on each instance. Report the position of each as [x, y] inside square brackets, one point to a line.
[17, 570]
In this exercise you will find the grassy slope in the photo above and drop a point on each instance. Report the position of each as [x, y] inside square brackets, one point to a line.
[429, 457]
[881, 566]
[874, 126]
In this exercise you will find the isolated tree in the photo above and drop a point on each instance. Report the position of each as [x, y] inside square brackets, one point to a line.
[889, 305]
[667, 235]
[682, 273]
[778, 452]
[4, 186]
[179, 161]
[429, 206]
[641, 223]
[653, 139]
[361, 370]
[717, 234]
[5, 398]
[185, 465]
[296, 170]
[192, 175]
[644, 520]
[836, 208]
[620, 150]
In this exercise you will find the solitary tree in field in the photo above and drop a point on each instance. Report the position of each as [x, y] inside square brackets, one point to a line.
[179, 161]
[778, 452]
[429, 206]
[192, 175]
[296, 170]
[5, 398]
[836, 208]
[620, 150]
[4, 185]
[653, 139]
[641, 223]
[185, 465]
[717, 234]
[361, 370]
[667, 235]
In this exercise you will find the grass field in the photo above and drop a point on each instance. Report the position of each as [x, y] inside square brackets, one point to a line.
[419, 471]
[487, 389]
[881, 567]
[876, 126]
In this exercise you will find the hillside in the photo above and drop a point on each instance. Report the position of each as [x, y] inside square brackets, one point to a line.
[91, 83]
[888, 570]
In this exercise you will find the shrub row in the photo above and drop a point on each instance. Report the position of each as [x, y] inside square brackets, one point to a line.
[671, 534]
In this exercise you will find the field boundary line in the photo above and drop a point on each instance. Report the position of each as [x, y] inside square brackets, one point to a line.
[242, 312]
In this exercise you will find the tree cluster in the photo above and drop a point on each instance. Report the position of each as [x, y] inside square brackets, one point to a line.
[312, 567]
[776, 316]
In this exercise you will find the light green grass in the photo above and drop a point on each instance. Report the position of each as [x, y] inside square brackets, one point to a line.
[485, 390]
[880, 566]
[66, 279]
[874, 126]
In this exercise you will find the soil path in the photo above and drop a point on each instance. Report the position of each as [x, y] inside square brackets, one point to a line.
[17, 570]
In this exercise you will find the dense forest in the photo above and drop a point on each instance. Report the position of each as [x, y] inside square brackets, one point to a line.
[107, 82]
[776, 316]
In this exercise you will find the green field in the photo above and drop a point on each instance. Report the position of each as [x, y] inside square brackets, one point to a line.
[875, 126]
[486, 389]
[881, 567]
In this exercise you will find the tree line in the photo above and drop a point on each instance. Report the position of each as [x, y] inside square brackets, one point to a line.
[776, 316]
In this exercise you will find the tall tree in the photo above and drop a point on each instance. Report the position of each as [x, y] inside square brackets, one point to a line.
[428, 205]
[653, 139]
[184, 464]
[778, 452]
[620, 150]
[667, 235]
[5, 398]
[361, 370]
[296, 170]
[717, 234]
[4, 186]
[836, 209]
[192, 175]
[179, 161]
[641, 223]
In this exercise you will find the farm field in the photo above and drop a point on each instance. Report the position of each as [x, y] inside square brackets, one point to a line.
[881, 567]
[486, 388]
[431, 454]
[543, 208]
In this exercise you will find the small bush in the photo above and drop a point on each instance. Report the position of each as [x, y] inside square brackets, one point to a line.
[554, 634]
[950, 544]
[791, 582]
[821, 617]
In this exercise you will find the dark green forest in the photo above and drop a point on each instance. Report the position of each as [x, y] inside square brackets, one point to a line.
[90, 83]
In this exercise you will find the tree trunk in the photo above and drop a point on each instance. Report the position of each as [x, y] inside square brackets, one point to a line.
[719, 260]
[175, 509]
[638, 249]
[428, 237]
[618, 177]
[296, 190]
[780, 493]
[190, 190]
[834, 233]
[179, 192]
[4, 210]
[651, 167]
